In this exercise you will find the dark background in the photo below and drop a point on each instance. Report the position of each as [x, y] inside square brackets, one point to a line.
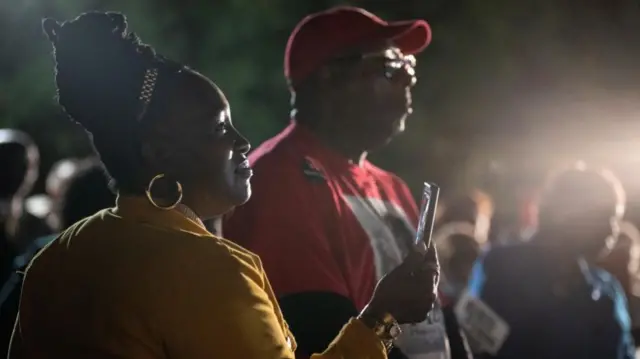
[507, 89]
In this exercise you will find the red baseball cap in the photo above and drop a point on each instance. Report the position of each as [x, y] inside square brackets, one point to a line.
[321, 36]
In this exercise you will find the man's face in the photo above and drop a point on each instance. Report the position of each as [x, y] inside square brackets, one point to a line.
[373, 91]
[587, 232]
[19, 163]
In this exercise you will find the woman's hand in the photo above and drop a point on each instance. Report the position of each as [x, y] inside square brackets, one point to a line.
[409, 291]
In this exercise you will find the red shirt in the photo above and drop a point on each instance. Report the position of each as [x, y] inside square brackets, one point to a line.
[319, 222]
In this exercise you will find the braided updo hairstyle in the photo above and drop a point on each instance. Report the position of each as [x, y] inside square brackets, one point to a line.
[100, 68]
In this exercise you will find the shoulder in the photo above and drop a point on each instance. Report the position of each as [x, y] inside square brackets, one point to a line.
[385, 175]
[392, 184]
[500, 252]
[290, 152]
[280, 148]
[601, 278]
[514, 256]
[147, 251]
[216, 269]
[285, 172]
[241, 255]
[147, 275]
[276, 161]
[94, 222]
[607, 284]
[212, 259]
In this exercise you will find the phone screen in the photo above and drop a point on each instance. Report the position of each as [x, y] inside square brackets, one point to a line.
[430, 194]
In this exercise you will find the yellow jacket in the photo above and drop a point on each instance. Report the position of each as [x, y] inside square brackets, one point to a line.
[138, 282]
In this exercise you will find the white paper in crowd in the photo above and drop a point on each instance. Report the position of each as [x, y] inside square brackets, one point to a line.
[425, 340]
[484, 327]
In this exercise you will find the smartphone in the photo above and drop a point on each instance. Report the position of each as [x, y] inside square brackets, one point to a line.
[427, 218]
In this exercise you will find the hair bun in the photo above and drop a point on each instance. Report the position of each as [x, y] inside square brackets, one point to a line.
[93, 28]
[51, 28]
[119, 22]
[100, 67]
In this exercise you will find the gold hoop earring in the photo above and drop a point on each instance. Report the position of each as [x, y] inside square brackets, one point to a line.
[150, 197]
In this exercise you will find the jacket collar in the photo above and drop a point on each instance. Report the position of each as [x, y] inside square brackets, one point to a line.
[139, 209]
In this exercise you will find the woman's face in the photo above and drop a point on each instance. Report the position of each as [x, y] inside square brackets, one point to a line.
[198, 146]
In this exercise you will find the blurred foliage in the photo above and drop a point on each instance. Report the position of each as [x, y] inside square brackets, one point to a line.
[496, 72]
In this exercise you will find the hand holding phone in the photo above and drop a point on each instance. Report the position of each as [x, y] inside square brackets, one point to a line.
[409, 292]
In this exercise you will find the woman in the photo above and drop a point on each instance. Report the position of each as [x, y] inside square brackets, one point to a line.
[146, 279]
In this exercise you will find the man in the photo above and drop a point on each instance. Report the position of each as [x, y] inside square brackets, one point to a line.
[325, 221]
[457, 252]
[622, 263]
[41, 205]
[544, 298]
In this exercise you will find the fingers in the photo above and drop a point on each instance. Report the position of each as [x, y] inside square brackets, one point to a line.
[413, 262]
[417, 310]
[430, 260]
[432, 254]
[427, 273]
[419, 261]
[416, 283]
[429, 270]
[421, 247]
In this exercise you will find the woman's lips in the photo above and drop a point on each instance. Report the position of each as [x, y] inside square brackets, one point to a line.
[244, 170]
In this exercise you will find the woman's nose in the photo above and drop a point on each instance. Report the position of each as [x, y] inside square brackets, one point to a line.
[242, 145]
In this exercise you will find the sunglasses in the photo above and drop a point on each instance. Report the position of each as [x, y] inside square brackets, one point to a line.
[394, 62]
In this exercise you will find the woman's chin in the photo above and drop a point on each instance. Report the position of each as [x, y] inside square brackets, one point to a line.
[225, 199]
[241, 193]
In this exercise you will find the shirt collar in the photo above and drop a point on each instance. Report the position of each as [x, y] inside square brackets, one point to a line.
[305, 137]
[181, 218]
